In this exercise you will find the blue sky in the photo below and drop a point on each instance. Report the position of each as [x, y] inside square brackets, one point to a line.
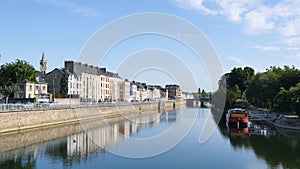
[256, 33]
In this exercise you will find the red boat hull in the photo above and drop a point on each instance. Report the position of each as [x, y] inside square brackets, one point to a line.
[237, 119]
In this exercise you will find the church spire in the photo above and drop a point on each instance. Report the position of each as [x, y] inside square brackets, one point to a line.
[43, 64]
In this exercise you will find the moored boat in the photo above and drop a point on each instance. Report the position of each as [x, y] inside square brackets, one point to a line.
[237, 115]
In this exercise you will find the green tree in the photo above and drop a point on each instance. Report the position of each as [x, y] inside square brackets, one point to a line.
[236, 83]
[204, 94]
[13, 73]
[241, 78]
[262, 89]
[295, 99]
[283, 101]
[64, 85]
[199, 93]
[266, 86]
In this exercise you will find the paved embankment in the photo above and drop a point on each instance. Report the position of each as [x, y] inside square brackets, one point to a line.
[28, 119]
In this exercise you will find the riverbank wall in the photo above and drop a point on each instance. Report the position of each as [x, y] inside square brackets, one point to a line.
[12, 121]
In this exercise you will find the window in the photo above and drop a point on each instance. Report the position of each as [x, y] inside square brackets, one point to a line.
[44, 88]
[37, 87]
[30, 87]
[29, 96]
[21, 87]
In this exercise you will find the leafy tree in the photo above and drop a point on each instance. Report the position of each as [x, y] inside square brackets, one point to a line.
[283, 101]
[288, 100]
[13, 73]
[241, 78]
[199, 93]
[64, 85]
[236, 83]
[295, 99]
[222, 82]
[263, 88]
[204, 94]
[276, 88]
[266, 86]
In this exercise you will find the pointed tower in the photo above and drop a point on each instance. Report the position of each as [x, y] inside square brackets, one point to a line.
[43, 64]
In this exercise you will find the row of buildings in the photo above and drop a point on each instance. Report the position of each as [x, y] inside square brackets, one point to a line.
[90, 83]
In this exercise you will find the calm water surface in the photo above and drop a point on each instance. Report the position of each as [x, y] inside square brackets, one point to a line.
[255, 146]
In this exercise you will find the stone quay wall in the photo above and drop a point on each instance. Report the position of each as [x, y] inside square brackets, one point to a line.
[11, 121]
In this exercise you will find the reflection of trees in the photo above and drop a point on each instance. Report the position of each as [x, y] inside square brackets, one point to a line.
[21, 162]
[275, 150]
[59, 152]
[239, 142]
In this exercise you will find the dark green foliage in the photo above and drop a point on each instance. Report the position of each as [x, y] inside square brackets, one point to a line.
[64, 85]
[240, 77]
[288, 100]
[274, 90]
[15, 72]
[236, 83]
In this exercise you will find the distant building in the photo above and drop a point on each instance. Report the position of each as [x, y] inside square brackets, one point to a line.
[188, 95]
[142, 91]
[33, 92]
[174, 91]
[133, 91]
[43, 64]
[154, 92]
[116, 86]
[53, 79]
[125, 91]
[89, 83]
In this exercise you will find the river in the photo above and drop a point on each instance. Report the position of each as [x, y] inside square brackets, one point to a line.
[255, 146]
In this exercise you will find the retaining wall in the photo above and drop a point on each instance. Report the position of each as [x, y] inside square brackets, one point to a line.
[28, 119]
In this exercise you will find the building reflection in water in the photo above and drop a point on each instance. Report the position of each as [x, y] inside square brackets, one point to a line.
[79, 146]
[91, 141]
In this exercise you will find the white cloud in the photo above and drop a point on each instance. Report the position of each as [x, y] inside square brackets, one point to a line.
[237, 60]
[294, 56]
[267, 48]
[257, 16]
[291, 28]
[292, 48]
[234, 9]
[71, 7]
[258, 21]
[195, 5]
[291, 41]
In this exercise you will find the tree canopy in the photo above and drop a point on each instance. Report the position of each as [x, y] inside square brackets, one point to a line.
[276, 89]
[13, 73]
[64, 85]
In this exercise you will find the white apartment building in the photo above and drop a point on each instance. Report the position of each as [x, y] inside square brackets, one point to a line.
[154, 93]
[115, 86]
[133, 91]
[125, 91]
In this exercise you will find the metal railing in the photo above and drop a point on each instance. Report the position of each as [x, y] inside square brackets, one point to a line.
[43, 106]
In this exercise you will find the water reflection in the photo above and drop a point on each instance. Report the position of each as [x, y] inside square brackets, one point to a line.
[278, 147]
[256, 143]
[79, 146]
